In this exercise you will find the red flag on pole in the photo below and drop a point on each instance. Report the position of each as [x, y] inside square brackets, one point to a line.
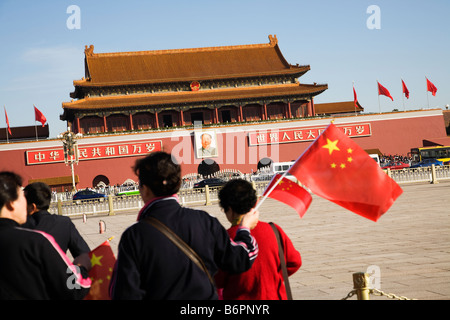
[7, 122]
[39, 116]
[355, 98]
[405, 90]
[385, 92]
[431, 87]
[102, 261]
[334, 167]
[289, 193]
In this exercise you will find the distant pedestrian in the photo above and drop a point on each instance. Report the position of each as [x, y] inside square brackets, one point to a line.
[150, 266]
[32, 264]
[264, 281]
[38, 195]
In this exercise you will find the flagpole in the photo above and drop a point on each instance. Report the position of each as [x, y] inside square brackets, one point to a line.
[7, 125]
[35, 126]
[353, 84]
[379, 106]
[403, 98]
[428, 101]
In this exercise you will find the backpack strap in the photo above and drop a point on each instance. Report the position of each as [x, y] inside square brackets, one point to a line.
[283, 262]
[180, 244]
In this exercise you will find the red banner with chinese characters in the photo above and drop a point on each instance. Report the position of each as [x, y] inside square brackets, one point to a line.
[93, 151]
[273, 136]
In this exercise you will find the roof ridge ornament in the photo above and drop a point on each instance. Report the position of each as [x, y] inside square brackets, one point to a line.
[273, 40]
[89, 51]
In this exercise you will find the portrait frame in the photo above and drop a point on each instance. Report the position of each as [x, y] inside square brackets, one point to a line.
[212, 150]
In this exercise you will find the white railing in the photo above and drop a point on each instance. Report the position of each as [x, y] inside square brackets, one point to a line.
[205, 196]
[425, 174]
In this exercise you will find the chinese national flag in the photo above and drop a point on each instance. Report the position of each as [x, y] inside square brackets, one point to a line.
[431, 87]
[405, 90]
[355, 98]
[39, 116]
[102, 261]
[7, 122]
[334, 167]
[385, 92]
[289, 193]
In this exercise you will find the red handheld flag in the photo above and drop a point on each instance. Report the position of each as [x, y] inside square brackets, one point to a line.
[405, 90]
[334, 167]
[102, 260]
[290, 193]
[7, 122]
[431, 87]
[39, 116]
[385, 92]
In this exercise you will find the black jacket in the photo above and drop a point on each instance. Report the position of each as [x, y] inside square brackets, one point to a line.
[61, 228]
[32, 266]
[149, 266]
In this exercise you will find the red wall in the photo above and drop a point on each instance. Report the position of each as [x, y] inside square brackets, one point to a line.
[393, 133]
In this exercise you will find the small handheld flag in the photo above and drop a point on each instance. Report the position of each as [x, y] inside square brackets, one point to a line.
[290, 193]
[102, 261]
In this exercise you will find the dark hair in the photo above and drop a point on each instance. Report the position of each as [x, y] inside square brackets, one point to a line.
[9, 183]
[160, 173]
[238, 195]
[38, 193]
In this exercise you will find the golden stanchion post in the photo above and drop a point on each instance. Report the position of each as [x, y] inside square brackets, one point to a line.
[361, 285]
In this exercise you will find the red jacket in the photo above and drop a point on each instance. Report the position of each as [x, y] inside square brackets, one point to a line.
[264, 280]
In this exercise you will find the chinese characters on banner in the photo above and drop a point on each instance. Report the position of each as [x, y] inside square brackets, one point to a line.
[304, 134]
[92, 152]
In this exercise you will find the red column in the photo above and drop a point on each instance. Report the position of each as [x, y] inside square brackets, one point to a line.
[131, 122]
[241, 114]
[313, 110]
[309, 109]
[265, 111]
[78, 126]
[181, 118]
[289, 110]
[156, 118]
[105, 129]
[216, 115]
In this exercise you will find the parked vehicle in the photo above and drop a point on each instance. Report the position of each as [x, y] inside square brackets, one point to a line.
[375, 157]
[88, 195]
[428, 163]
[215, 182]
[128, 193]
[396, 165]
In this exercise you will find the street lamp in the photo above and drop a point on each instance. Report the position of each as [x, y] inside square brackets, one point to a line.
[69, 140]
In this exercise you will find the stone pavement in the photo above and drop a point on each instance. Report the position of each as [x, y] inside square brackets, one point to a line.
[410, 244]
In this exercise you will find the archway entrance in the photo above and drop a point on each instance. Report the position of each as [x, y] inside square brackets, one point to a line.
[208, 167]
[100, 180]
[264, 162]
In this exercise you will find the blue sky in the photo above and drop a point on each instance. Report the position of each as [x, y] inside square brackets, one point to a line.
[41, 56]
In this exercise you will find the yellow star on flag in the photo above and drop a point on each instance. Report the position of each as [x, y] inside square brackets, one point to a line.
[331, 145]
[96, 260]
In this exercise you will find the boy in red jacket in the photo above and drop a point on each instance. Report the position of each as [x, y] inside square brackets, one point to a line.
[264, 280]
